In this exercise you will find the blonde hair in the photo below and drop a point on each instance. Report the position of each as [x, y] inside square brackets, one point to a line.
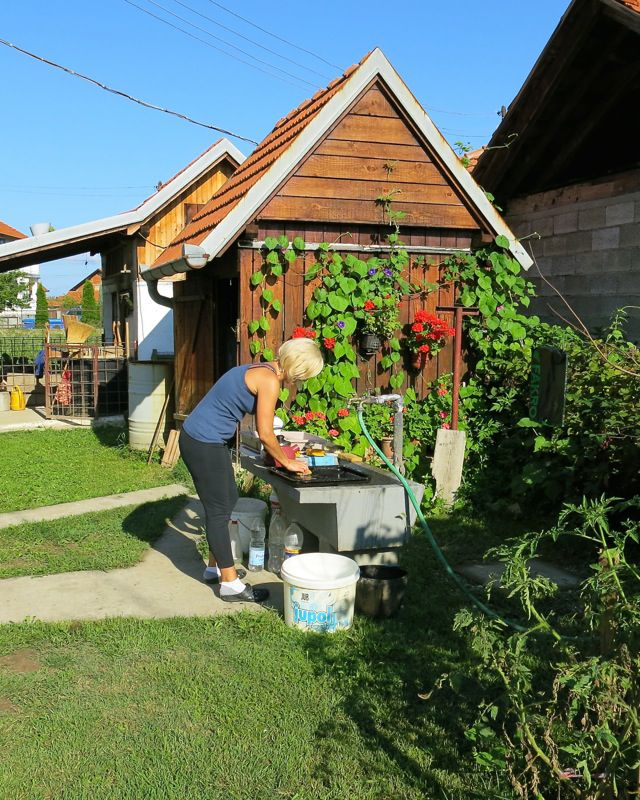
[300, 359]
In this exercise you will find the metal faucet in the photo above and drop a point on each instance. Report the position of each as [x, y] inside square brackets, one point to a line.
[398, 404]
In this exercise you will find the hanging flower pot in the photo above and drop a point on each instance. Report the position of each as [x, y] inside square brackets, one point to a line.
[370, 343]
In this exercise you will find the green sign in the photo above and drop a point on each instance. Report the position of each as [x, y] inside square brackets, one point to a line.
[548, 385]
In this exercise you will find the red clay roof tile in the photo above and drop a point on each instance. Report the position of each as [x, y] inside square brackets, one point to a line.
[11, 233]
[281, 137]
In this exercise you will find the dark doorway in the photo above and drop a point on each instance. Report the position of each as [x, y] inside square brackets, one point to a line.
[226, 325]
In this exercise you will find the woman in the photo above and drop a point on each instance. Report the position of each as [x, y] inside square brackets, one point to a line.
[247, 389]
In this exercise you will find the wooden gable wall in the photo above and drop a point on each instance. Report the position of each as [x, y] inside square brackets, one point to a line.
[371, 152]
[170, 220]
[331, 196]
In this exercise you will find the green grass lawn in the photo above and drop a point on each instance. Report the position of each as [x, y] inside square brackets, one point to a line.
[44, 467]
[241, 707]
[101, 540]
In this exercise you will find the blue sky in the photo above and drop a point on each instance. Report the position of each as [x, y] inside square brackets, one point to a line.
[73, 153]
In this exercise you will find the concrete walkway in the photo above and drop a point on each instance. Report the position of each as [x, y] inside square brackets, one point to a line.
[166, 583]
[60, 510]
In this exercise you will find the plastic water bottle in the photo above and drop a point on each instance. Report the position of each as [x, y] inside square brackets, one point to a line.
[236, 544]
[256, 547]
[293, 540]
[277, 530]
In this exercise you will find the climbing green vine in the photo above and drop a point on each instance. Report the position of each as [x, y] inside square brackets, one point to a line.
[353, 296]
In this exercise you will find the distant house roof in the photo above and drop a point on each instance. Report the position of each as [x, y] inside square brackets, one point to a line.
[472, 158]
[9, 232]
[234, 205]
[80, 284]
[96, 234]
[575, 117]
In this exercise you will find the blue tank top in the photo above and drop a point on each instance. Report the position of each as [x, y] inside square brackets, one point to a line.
[215, 418]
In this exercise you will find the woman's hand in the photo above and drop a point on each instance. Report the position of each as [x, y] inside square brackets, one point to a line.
[297, 466]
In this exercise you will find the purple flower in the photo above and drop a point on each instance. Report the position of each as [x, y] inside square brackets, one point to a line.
[372, 271]
[388, 272]
[340, 324]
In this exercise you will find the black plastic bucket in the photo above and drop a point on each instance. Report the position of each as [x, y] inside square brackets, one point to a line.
[380, 590]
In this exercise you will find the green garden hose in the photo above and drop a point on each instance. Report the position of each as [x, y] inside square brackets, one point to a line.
[432, 540]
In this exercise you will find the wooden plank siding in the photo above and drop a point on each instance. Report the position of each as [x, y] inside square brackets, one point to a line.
[193, 321]
[371, 152]
[296, 292]
[170, 220]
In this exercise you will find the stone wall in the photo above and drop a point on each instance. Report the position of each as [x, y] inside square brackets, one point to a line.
[589, 248]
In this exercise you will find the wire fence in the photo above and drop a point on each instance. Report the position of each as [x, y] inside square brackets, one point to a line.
[85, 380]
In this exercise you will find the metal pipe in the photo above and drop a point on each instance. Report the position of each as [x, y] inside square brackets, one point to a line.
[155, 295]
[258, 244]
[398, 435]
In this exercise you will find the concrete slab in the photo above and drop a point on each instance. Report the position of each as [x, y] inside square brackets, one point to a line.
[166, 583]
[61, 510]
[34, 418]
[487, 572]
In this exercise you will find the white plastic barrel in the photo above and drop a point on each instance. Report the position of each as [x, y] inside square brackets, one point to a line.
[149, 382]
[246, 511]
[319, 591]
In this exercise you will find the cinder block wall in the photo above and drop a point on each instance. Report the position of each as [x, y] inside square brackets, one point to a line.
[589, 248]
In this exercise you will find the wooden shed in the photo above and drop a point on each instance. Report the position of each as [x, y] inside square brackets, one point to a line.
[570, 178]
[129, 241]
[319, 175]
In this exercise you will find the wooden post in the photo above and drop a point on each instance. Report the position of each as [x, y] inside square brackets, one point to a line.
[457, 368]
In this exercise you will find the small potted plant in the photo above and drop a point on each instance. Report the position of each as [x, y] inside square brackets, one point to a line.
[379, 421]
[379, 324]
[427, 335]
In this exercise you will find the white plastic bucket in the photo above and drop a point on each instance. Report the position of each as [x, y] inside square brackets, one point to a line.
[319, 591]
[247, 510]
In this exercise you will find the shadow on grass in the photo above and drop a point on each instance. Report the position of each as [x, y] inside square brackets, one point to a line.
[148, 521]
[388, 672]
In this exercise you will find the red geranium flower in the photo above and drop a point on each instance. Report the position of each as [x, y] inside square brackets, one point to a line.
[303, 333]
[446, 426]
[320, 415]
[417, 327]
[442, 391]
[369, 305]
[330, 342]
[333, 432]
[343, 412]
[298, 420]
[309, 415]
[424, 348]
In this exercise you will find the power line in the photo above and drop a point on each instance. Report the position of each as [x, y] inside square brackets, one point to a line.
[125, 95]
[62, 193]
[275, 35]
[252, 41]
[215, 47]
[38, 186]
[462, 113]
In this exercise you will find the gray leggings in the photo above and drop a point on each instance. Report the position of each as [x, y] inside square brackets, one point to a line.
[212, 473]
